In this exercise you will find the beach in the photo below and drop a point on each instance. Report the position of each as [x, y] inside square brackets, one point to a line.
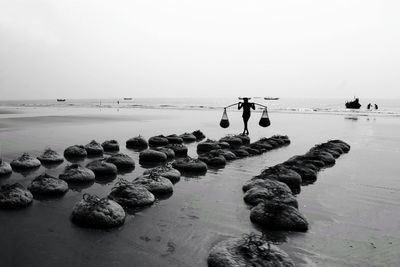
[353, 208]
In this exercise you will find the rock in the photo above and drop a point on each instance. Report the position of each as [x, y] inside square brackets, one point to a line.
[303, 160]
[94, 148]
[311, 167]
[188, 137]
[275, 143]
[278, 216]
[94, 212]
[325, 157]
[268, 142]
[232, 140]
[252, 183]
[5, 168]
[75, 151]
[317, 163]
[331, 148]
[261, 146]
[50, 156]
[277, 140]
[75, 173]
[245, 138]
[240, 153]
[14, 196]
[275, 191]
[24, 162]
[110, 145]
[248, 251]
[213, 160]
[180, 150]
[251, 151]
[159, 140]
[228, 155]
[102, 168]
[137, 142]
[45, 184]
[335, 154]
[170, 153]
[258, 147]
[122, 161]
[152, 156]
[224, 145]
[207, 146]
[282, 174]
[190, 165]
[131, 195]
[199, 135]
[166, 171]
[263, 183]
[284, 138]
[307, 174]
[155, 183]
[339, 143]
[174, 139]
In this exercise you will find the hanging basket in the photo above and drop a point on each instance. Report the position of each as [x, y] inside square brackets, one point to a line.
[264, 121]
[224, 123]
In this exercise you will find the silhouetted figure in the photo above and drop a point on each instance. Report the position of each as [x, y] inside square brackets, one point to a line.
[376, 106]
[246, 106]
[369, 106]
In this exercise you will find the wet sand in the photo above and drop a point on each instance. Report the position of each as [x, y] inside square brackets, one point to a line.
[353, 208]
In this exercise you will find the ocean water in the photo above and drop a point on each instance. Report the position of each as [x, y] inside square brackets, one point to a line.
[387, 107]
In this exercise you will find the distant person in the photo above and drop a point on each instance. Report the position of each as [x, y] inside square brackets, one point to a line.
[118, 102]
[369, 106]
[246, 106]
[376, 106]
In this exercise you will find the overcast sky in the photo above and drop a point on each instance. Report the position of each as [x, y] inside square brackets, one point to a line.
[95, 49]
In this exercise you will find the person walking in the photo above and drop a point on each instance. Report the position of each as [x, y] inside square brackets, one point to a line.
[246, 106]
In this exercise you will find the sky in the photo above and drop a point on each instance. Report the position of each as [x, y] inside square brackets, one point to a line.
[225, 48]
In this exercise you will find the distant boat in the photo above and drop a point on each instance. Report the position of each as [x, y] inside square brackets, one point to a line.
[271, 98]
[127, 98]
[355, 104]
[61, 100]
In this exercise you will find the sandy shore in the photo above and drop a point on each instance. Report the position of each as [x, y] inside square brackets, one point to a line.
[353, 208]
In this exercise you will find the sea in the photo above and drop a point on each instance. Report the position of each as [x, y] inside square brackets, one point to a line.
[386, 107]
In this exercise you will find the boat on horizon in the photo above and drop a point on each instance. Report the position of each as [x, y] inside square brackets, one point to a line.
[60, 99]
[271, 98]
[355, 104]
[127, 98]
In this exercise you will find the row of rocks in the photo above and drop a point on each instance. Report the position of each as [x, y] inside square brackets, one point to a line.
[93, 148]
[141, 191]
[13, 196]
[231, 147]
[217, 153]
[162, 154]
[93, 211]
[107, 212]
[155, 181]
[17, 196]
[271, 192]
[173, 147]
[140, 143]
[252, 249]
[274, 206]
